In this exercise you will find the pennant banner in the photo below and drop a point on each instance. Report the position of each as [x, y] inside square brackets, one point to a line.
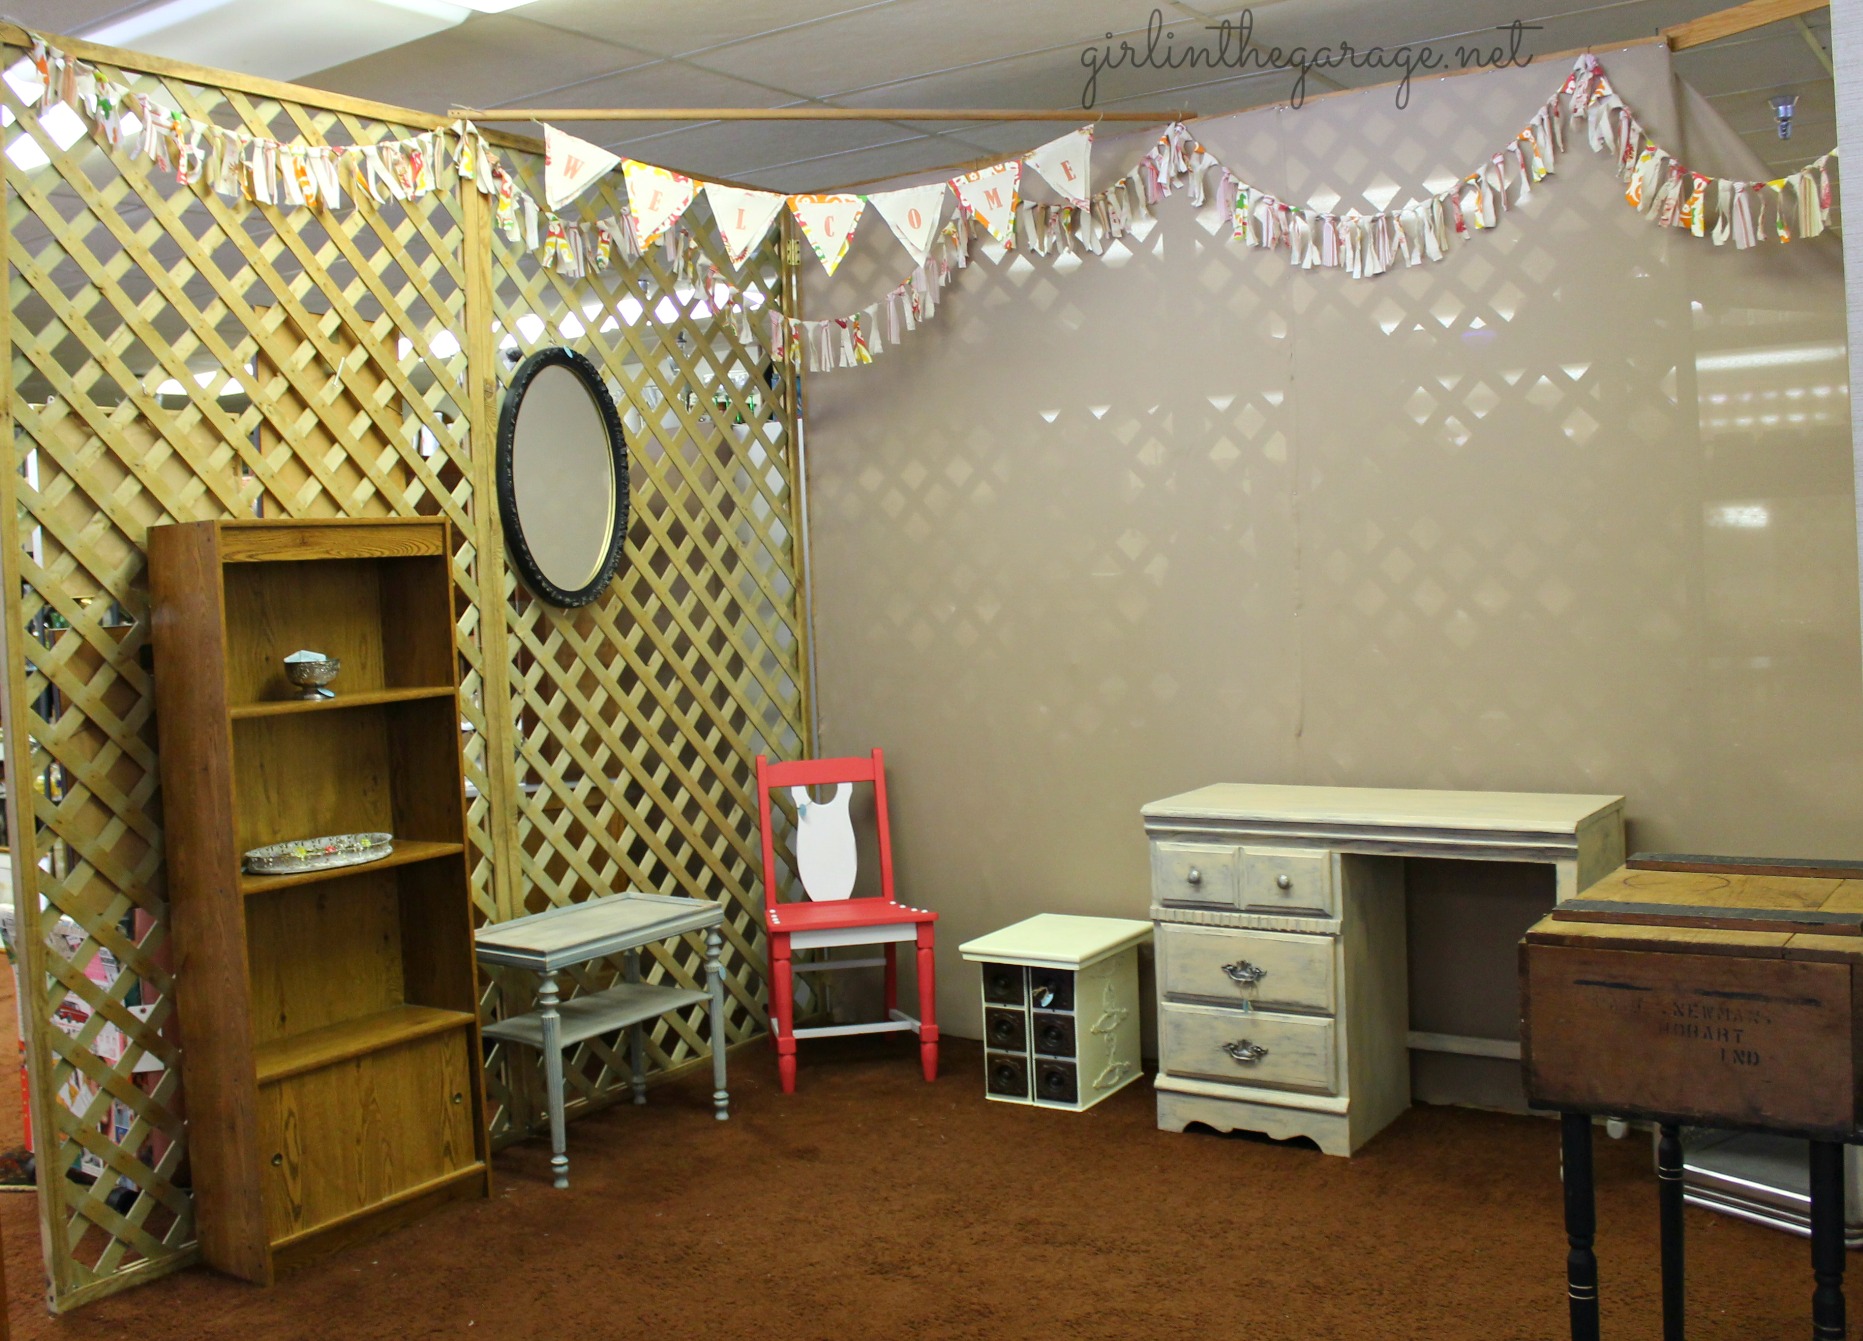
[55, 89]
[570, 166]
[913, 214]
[743, 217]
[655, 199]
[991, 196]
[1066, 164]
[828, 222]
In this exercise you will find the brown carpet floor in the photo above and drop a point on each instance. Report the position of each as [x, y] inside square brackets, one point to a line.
[870, 1204]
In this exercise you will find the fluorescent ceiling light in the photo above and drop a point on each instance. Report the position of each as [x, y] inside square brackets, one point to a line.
[1745, 516]
[1774, 356]
[263, 37]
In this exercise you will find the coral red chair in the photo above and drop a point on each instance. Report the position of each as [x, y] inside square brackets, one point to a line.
[825, 867]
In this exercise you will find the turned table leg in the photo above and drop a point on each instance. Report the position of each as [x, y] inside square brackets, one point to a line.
[714, 983]
[1581, 1226]
[1669, 1204]
[637, 1036]
[547, 999]
[1827, 1240]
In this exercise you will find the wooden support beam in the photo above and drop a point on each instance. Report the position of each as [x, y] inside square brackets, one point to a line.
[1075, 115]
[1739, 19]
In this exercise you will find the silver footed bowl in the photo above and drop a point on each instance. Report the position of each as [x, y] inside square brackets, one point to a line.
[310, 676]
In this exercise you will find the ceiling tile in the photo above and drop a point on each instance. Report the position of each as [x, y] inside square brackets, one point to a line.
[490, 58]
[70, 17]
[917, 160]
[740, 149]
[689, 25]
[878, 46]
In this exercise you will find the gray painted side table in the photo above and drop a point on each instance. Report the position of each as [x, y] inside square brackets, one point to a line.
[547, 943]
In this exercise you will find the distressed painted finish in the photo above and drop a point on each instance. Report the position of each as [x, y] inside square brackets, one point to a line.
[553, 943]
[1282, 980]
[1061, 1008]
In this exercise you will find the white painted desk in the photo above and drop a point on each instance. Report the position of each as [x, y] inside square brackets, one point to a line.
[1283, 995]
[549, 942]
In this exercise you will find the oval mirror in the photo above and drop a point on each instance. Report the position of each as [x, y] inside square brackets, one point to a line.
[562, 477]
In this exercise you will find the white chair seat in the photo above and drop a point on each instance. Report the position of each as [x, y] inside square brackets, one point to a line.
[877, 935]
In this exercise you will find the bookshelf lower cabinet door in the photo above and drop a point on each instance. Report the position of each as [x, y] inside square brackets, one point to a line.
[344, 1138]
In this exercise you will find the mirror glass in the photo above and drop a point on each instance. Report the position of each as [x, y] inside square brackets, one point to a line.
[562, 477]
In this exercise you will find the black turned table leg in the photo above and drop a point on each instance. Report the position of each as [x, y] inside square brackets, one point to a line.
[1581, 1226]
[1669, 1202]
[1827, 1240]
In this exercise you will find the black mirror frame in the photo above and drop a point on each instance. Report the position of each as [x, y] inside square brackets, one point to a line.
[515, 544]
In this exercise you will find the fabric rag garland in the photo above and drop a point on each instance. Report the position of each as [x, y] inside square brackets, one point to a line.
[231, 163]
[1668, 193]
[237, 165]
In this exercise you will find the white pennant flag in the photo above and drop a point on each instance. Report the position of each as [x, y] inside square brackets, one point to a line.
[914, 214]
[828, 223]
[655, 199]
[1066, 164]
[990, 195]
[744, 217]
[570, 166]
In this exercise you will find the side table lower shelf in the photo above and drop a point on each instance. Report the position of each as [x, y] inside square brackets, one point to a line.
[598, 1013]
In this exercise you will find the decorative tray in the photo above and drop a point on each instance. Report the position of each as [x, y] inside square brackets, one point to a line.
[318, 854]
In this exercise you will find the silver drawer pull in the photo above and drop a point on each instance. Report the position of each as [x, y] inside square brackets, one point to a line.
[1245, 1052]
[1193, 876]
[1284, 881]
[1244, 972]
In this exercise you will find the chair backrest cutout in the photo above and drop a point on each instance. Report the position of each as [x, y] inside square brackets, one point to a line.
[826, 855]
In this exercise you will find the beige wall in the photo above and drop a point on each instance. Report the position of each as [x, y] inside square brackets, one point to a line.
[1112, 529]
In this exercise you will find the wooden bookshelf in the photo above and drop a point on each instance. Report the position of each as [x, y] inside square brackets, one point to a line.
[331, 1051]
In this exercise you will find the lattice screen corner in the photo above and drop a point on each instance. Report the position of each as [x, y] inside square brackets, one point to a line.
[174, 356]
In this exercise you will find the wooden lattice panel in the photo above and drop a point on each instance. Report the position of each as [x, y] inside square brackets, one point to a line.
[639, 717]
[176, 356]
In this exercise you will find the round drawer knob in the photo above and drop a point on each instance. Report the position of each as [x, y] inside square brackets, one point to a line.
[1284, 881]
[459, 1098]
[1193, 876]
[277, 1160]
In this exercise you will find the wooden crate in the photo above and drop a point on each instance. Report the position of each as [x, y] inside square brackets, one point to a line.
[1647, 997]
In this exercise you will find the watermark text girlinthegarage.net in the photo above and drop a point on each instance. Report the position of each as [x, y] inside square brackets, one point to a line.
[1232, 46]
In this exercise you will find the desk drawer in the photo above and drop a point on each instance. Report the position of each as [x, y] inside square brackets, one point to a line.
[1288, 880]
[1248, 1048]
[1268, 969]
[1197, 874]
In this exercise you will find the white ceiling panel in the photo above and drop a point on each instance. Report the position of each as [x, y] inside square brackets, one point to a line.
[68, 17]
[490, 58]
[687, 25]
[906, 41]
[741, 149]
[921, 159]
